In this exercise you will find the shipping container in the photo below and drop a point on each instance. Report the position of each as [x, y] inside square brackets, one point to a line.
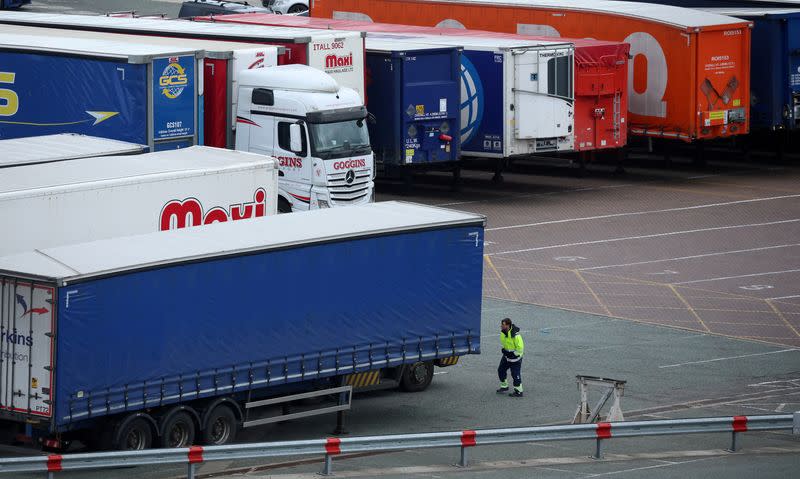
[64, 146]
[690, 74]
[135, 330]
[81, 200]
[413, 93]
[601, 72]
[340, 54]
[221, 65]
[142, 94]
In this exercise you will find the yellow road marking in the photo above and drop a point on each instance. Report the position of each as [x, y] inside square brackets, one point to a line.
[502, 281]
[782, 317]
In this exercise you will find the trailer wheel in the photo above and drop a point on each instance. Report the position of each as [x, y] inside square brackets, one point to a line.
[179, 431]
[417, 377]
[135, 435]
[221, 427]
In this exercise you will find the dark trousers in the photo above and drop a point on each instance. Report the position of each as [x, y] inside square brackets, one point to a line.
[516, 371]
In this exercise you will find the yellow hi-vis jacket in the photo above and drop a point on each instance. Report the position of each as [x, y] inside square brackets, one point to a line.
[513, 345]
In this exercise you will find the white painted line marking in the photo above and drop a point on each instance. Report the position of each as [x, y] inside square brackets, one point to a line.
[658, 235]
[728, 358]
[638, 213]
[780, 407]
[739, 276]
[756, 287]
[785, 297]
[534, 195]
[720, 253]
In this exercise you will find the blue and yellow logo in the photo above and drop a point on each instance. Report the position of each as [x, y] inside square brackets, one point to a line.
[173, 80]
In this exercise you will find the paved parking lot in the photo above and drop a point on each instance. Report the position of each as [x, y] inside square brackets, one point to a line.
[716, 252]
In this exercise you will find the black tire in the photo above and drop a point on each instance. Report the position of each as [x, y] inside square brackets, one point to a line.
[136, 435]
[283, 205]
[297, 8]
[221, 427]
[178, 431]
[417, 377]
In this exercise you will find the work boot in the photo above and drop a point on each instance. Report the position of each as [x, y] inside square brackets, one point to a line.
[502, 390]
[516, 394]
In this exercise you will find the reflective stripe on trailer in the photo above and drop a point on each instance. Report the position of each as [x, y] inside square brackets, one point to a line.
[444, 362]
[360, 380]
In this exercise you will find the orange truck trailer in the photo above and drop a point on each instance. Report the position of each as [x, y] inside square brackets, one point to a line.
[689, 78]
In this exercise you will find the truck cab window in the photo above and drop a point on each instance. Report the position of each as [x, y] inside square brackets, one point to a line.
[284, 141]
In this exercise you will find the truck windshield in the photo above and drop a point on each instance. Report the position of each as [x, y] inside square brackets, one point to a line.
[339, 139]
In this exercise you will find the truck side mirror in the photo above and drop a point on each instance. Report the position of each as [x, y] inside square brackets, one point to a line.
[263, 96]
[295, 138]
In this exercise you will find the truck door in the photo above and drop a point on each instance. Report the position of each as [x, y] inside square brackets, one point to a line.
[27, 322]
[295, 166]
[542, 93]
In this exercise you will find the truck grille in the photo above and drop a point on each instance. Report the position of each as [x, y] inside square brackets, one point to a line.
[344, 193]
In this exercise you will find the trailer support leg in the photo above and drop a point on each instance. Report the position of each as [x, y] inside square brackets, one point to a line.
[498, 170]
[456, 179]
[621, 157]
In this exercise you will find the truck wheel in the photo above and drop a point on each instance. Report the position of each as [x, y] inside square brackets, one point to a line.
[297, 8]
[221, 427]
[136, 435]
[179, 431]
[283, 205]
[417, 377]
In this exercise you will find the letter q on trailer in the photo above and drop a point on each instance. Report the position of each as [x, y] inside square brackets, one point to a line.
[601, 72]
[64, 146]
[221, 65]
[340, 54]
[690, 73]
[414, 96]
[142, 94]
[88, 199]
[136, 324]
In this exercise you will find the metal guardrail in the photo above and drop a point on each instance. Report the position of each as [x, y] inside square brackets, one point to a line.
[192, 456]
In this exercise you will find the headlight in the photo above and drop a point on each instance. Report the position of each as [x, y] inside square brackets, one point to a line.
[323, 204]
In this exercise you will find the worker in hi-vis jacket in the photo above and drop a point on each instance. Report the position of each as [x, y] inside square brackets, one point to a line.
[513, 349]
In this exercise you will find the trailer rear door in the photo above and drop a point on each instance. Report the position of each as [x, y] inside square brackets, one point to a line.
[543, 93]
[27, 321]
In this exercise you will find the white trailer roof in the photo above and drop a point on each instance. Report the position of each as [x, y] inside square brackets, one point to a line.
[64, 146]
[676, 16]
[375, 44]
[753, 12]
[33, 179]
[468, 43]
[175, 28]
[80, 261]
[132, 52]
[212, 48]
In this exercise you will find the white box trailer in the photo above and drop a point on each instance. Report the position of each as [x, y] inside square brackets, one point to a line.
[64, 146]
[89, 199]
[221, 64]
[517, 96]
[337, 53]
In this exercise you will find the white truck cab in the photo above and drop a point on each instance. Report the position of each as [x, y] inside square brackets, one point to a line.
[316, 129]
